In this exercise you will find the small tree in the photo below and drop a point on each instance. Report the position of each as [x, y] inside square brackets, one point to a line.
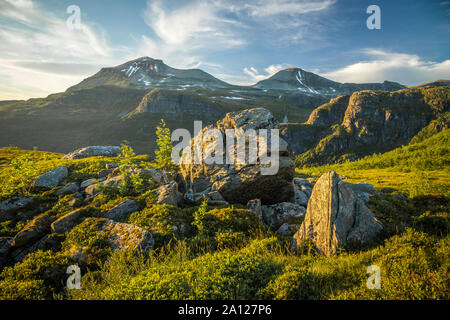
[164, 153]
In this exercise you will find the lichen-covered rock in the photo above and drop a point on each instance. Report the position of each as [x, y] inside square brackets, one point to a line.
[94, 189]
[94, 151]
[277, 214]
[8, 207]
[336, 217]
[301, 198]
[67, 221]
[287, 229]
[168, 194]
[34, 230]
[239, 183]
[255, 208]
[123, 235]
[68, 189]
[122, 211]
[51, 179]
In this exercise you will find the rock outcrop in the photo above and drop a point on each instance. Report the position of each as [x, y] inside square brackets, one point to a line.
[239, 183]
[336, 218]
[51, 179]
[94, 151]
[122, 211]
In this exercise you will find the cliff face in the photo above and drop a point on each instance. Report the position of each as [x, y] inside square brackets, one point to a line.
[173, 102]
[366, 122]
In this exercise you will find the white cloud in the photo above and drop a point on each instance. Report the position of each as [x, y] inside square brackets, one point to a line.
[381, 65]
[255, 76]
[39, 55]
[265, 8]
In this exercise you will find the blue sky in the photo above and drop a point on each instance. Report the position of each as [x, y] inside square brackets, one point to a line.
[240, 42]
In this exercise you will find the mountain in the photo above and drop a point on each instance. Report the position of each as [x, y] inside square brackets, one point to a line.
[126, 102]
[307, 82]
[352, 126]
[146, 73]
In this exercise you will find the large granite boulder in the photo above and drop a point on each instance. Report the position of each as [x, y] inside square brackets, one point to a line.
[94, 151]
[336, 217]
[240, 182]
[51, 179]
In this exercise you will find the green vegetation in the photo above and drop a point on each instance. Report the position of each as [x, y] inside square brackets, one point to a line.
[225, 252]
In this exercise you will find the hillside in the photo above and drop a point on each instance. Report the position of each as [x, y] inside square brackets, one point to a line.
[350, 127]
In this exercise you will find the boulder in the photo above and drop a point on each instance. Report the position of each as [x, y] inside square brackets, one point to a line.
[34, 230]
[362, 187]
[51, 179]
[336, 217]
[287, 229]
[255, 208]
[168, 194]
[8, 207]
[47, 242]
[122, 211]
[68, 189]
[67, 221]
[239, 183]
[123, 235]
[93, 189]
[301, 198]
[110, 166]
[104, 173]
[5, 246]
[300, 182]
[89, 182]
[277, 214]
[94, 151]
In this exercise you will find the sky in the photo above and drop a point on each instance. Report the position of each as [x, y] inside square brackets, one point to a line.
[240, 42]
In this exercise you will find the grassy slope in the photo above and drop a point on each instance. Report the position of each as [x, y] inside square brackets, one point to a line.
[237, 258]
[416, 169]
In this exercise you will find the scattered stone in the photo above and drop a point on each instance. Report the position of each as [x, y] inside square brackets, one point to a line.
[34, 230]
[122, 211]
[5, 246]
[362, 187]
[48, 242]
[104, 173]
[302, 182]
[287, 229]
[94, 151]
[68, 221]
[93, 189]
[68, 189]
[255, 208]
[239, 183]
[300, 197]
[285, 212]
[110, 166]
[89, 182]
[8, 207]
[336, 217]
[168, 194]
[51, 179]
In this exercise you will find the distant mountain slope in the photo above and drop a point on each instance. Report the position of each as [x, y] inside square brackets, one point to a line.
[145, 73]
[298, 79]
[366, 122]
